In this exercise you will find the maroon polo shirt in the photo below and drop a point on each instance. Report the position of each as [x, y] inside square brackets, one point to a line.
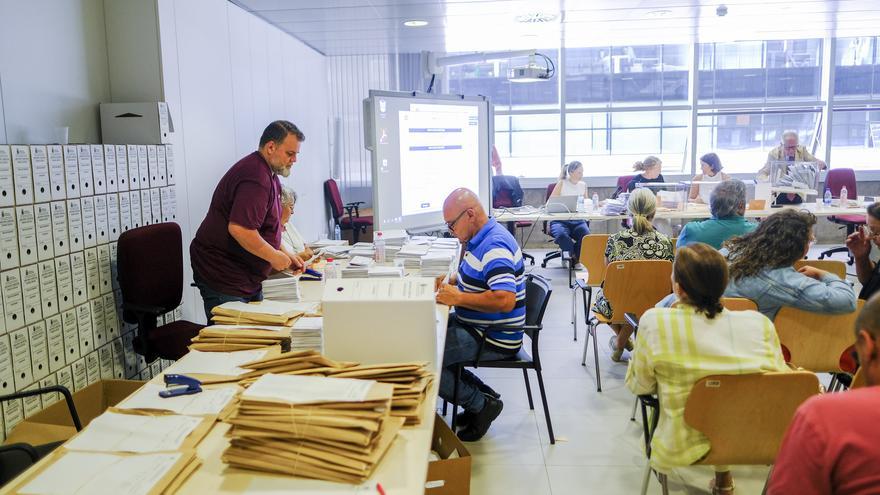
[248, 195]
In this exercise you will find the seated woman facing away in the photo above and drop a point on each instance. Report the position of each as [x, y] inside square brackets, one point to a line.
[641, 242]
[569, 233]
[649, 171]
[762, 268]
[289, 235]
[676, 347]
[711, 166]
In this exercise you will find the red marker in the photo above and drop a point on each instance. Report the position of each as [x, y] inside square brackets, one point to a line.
[380, 489]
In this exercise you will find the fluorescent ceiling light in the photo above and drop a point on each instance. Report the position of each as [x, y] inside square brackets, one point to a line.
[415, 23]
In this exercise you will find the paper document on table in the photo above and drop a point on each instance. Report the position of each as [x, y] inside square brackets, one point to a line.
[309, 323]
[215, 363]
[115, 432]
[360, 261]
[308, 308]
[271, 328]
[96, 473]
[296, 389]
[208, 401]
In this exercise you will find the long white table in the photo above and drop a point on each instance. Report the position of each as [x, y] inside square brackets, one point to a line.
[693, 212]
[403, 470]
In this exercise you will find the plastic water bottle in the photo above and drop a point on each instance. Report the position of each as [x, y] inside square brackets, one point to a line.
[329, 269]
[843, 197]
[379, 247]
[337, 233]
[595, 201]
[580, 203]
[827, 197]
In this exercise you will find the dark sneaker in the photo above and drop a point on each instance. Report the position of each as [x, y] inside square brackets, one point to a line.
[482, 420]
[487, 390]
[464, 419]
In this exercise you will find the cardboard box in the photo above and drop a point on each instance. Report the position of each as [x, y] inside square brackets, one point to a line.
[448, 476]
[53, 424]
[136, 123]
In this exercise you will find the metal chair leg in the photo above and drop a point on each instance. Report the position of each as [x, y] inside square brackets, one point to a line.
[445, 403]
[574, 325]
[632, 417]
[596, 357]
[528, 388]
[664, 483]
[646, 478]
[586, 344]
[546, 407]
[455, 395]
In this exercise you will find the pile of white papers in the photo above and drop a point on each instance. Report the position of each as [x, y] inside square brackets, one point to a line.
[362, 249]
[358, 267]
[323, 243]
[307, 334]
[614, 207]
[436, 264]
[395, 238]
[411, 254]
[282, 287]
[336, 251]
[385, 272]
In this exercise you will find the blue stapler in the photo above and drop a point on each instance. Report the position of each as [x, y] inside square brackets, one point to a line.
[180, 385]
[310, 274]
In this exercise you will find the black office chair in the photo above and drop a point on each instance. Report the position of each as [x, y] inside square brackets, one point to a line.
[537, 296]
[552, 255]
[15, 458]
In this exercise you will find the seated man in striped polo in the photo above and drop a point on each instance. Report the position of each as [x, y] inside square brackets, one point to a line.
[489, 290]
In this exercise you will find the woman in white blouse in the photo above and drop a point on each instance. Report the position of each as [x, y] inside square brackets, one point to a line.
[569, 233]
[290, 237]
[711, 168]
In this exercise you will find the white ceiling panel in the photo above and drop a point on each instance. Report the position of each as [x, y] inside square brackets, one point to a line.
[353, 27]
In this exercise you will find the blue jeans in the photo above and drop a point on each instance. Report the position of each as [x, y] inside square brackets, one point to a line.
[568, 235]
[213, 298]
[461, 347]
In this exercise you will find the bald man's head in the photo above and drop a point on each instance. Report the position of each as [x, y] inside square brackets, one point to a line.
[464, 214]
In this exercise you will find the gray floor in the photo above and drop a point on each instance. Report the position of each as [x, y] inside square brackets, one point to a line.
[598, 449]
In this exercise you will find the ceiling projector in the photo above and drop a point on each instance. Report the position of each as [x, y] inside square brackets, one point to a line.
[528, 73]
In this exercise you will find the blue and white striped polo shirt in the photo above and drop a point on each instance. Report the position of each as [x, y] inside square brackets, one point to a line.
[493, 261]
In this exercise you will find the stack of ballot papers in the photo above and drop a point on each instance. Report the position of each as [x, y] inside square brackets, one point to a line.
[362, 249]
[396, 238]
[225, 338]
[141, 432]
[76, 472]
[411, 254]
[282, 287]
[437, 263]
[331, 429]
[385, 272]
[613, 207]
[218, 367]
[307, 334]
[336, 252]
[323, 243]
[357, 267]
[265, 312]
[411, 381]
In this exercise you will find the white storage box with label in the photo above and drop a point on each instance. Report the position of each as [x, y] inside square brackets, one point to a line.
[380, 320]
[136, 123]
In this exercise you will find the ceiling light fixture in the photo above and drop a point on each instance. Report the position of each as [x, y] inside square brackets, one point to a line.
[536, 17]
[415, 23]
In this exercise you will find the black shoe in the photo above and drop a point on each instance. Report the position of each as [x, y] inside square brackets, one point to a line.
[482, 420]
[464, 419]
[487, 390]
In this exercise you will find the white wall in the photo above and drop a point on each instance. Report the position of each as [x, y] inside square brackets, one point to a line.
[226, 75]
[53, 69]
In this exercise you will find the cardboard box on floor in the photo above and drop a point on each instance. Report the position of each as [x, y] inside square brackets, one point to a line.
[448, 476]
[53, 424]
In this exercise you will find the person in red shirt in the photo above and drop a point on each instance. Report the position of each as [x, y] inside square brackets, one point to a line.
[238, 243]
[833, 443]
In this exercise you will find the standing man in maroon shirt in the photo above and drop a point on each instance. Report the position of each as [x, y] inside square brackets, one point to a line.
[833, 443]
[239, 242]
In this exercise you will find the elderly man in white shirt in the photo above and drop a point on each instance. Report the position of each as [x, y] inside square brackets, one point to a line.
[290, 237]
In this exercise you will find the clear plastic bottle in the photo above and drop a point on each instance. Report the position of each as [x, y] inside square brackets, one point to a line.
[337, 233]
[827, 197]
[330, 269]
[843, 197]
[379, 247]
[595, 201]
[580, 203]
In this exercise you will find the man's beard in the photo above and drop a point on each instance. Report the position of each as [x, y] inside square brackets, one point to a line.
[282, 170]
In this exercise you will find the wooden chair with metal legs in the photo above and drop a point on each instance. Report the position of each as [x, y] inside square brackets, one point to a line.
[630, 287]
[834, 267]
[593, 258]
[743, 427]
[649, 401]
[818, 342]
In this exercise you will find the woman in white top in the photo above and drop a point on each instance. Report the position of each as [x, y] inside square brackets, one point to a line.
[569, 233]
[711, 165]
[290, 237]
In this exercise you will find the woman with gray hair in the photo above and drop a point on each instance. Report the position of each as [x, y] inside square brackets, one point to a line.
[291, 237]
[728, 205]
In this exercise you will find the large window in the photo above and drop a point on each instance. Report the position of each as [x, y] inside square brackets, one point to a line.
[857, 68]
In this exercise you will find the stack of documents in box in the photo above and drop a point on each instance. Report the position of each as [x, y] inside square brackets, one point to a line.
[226, 338]
[312, 427]
[265, 312]
[613, 207]
[410, 380]
[306, 334]
[362, 249]
[358, 267]
[800, 176]
[282, 287]
[411, 254]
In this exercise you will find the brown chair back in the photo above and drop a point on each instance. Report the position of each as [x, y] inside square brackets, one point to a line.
[816, 341]
[858, 380]
[593, 257]
[832, 266]
[743, 427]
[636, 286]
[738, 304]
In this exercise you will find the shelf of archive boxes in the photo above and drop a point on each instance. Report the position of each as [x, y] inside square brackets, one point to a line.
[62, 208]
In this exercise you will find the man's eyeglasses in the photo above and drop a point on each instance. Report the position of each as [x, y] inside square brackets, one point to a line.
[451, 225]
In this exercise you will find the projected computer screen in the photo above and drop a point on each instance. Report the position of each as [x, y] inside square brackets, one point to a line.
[424, 147]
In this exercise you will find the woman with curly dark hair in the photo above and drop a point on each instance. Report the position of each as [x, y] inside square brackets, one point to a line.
[762, 268]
